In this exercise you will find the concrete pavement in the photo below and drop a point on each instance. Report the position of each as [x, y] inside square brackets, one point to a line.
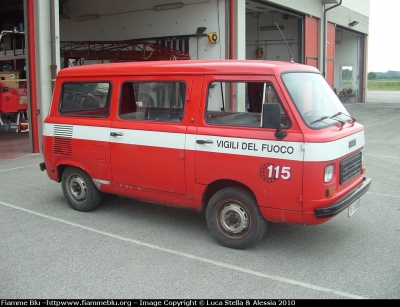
[129, 249]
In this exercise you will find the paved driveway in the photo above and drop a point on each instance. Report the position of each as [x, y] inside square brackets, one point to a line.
[128, 249]
[383, 96]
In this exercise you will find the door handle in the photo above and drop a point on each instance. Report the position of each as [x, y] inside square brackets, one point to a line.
[116, 134]
[204, 141]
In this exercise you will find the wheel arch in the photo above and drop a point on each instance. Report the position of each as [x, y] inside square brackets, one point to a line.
[217, 185]
[62, 167]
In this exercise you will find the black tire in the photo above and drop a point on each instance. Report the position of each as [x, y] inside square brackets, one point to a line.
[234, 219]
[79, 190]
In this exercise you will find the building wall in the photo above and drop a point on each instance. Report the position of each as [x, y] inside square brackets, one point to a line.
[309, 7]
[360, 6]
[123, 20]
[348, 11]
[342, 16]
[313, 6]
[43, 60]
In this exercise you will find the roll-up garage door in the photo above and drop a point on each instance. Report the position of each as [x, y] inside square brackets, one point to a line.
[311, 41]
[330, 53]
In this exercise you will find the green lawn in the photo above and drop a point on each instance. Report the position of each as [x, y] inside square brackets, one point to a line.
[384, 85]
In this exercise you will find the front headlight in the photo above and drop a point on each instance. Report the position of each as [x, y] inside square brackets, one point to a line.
[328, 173]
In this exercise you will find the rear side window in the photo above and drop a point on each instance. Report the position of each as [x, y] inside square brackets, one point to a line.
[240, 103]
[153, 101]
[86, 99]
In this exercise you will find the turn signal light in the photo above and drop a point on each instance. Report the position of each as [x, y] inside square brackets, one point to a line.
[330, 191]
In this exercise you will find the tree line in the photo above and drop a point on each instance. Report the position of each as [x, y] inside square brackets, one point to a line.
[391, 74]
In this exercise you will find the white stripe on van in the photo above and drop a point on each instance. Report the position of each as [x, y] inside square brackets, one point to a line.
[91, 133]
[279, 149]
[335, 149]
[150, 138]
[249, 147]
[226, 145]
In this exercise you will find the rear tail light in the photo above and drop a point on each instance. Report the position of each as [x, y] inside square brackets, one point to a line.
[23, 127]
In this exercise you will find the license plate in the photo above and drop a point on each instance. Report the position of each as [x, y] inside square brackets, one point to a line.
[353, 208]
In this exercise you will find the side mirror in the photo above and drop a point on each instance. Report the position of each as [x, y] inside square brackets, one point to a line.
[271, 118]
[271, 115]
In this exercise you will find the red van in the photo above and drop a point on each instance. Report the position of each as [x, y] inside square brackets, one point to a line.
[246, 141]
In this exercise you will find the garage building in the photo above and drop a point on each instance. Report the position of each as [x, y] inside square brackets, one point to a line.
[41, 37]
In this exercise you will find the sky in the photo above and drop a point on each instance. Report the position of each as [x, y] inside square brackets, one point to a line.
[384, 36]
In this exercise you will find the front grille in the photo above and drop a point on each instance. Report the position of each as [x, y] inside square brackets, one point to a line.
[350, 167]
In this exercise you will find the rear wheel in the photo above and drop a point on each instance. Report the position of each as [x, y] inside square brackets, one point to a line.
[79, 190]
[234, 219]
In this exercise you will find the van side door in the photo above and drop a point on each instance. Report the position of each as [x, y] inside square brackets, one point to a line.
[148, 134]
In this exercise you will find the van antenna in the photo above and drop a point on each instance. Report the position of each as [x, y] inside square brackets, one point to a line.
[290, 52]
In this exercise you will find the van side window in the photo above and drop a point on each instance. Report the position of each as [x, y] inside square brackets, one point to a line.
[240, 103]
[156, 101]
[87, 99]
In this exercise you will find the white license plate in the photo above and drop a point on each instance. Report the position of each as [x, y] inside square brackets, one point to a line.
[353, 208]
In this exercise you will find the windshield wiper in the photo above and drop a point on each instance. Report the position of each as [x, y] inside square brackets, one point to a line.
[340, 113]
[327, 117]
[319, 119]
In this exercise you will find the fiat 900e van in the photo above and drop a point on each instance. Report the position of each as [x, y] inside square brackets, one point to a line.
[245, 141]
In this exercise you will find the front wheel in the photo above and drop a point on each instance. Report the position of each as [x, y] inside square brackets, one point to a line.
[234, 219]
[79, 189]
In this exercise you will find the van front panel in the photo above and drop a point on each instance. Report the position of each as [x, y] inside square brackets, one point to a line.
[232, 145]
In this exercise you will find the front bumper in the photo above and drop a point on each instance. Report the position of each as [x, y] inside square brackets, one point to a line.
[341, 204]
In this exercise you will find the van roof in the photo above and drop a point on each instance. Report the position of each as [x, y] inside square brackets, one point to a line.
[253, 67]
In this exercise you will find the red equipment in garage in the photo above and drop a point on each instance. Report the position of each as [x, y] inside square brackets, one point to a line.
[13, 108]
[13, 94]
[117, 51]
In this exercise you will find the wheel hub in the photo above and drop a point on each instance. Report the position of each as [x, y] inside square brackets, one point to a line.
[234, 218]
[77, 188]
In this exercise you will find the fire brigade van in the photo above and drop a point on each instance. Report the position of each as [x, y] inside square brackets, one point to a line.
[246, 142]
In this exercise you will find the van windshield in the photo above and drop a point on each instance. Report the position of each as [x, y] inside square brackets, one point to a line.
[315, 101]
